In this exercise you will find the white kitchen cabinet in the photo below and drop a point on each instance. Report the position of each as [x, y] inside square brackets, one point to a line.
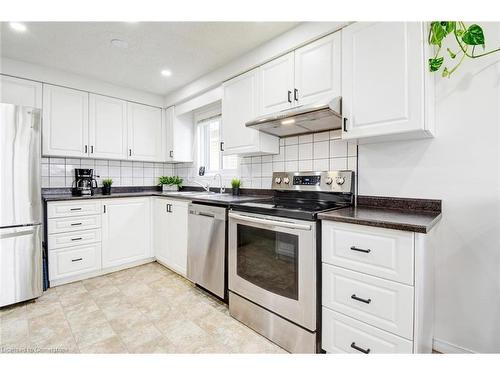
[65, 122]
[318, 70]
[20, 91]
[107, 127]
[145, 131]
[179, 136]
[387, 92]
[170, 233]
[276, 84]
[126, 231]
[240, 104]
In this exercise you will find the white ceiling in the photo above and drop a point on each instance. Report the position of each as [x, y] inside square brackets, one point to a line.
[188, 49]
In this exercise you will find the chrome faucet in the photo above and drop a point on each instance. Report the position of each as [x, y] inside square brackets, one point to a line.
[222, 189]
[206, 187]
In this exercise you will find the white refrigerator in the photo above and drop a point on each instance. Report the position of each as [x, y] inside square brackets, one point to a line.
[20, 204]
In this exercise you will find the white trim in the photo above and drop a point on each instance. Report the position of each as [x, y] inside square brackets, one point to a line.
[449, 348]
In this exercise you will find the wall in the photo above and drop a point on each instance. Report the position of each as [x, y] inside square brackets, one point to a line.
[318, 151]
[59, 172]
[40, 73]
[460, 166]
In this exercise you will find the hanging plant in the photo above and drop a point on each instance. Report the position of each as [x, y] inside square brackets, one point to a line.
[467, 39]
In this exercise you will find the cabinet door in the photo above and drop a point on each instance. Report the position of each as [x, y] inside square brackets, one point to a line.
[382, 82]
[144, 132]
[65, 122]
[179, 133]
[177, 224]
[276, 84]
[239, 105]
[107, 127]
[160, 229]
[317, 70]
[126, 231]
[20, 92]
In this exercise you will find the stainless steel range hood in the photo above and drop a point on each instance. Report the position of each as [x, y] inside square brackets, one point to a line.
[309, 118]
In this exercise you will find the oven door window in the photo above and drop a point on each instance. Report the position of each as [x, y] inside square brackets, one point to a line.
[268, 259]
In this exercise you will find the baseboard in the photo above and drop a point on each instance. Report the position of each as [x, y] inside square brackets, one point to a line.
[448, 348]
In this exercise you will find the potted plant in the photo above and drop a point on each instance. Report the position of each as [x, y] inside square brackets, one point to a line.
[235, 184]
[170, 183]
[106, 186]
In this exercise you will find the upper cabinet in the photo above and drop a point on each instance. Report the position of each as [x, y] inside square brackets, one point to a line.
[179, 136]
[318, 70]
[107, 127]
[276, 84]
[304, 76]
[65, 122]
[239, 105]
[20, 92]
[386, 92]
[79, 124]
[145, 131]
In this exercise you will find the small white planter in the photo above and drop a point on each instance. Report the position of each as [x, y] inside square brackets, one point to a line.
[166, 188]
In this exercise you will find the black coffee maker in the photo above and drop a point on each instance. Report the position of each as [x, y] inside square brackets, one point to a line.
[85, 183]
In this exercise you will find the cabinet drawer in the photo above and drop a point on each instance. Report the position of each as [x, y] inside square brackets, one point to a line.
[60, 240]
[73, 208]
[71, 224]
[379, 252]
[381, 303]
[79, 259]
[341, 334]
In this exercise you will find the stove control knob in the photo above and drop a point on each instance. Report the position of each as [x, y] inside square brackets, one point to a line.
[329, 180]
[340, 180]
[277, 180]
[286, 180]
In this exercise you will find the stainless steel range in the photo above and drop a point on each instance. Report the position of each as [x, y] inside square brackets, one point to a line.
[274, 248]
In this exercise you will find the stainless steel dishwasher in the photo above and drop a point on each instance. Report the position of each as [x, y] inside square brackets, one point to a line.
[206, 263]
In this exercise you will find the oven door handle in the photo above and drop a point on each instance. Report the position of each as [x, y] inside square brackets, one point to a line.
[275, 223]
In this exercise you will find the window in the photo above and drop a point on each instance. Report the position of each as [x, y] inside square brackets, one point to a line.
[209, 153]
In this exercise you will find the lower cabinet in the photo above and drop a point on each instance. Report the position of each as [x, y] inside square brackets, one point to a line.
[126, 231]
[170, 226]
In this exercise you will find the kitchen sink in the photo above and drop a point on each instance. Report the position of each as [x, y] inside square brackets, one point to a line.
[189, 193]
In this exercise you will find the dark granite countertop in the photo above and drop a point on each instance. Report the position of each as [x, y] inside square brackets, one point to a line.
[413, 215]
[222, 199]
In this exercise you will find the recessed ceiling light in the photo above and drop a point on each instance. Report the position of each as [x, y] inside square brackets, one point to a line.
[118, 43]
[17, 26]
[166, 73]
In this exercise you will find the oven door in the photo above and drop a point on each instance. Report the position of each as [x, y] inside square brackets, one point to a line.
[272, 262]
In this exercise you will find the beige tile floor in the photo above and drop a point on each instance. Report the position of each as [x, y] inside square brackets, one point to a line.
[145, 309]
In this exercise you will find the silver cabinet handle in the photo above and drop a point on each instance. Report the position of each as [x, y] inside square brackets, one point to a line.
[275, 223]
[86, 149]
[92, 149]
[296, 95]
[354, 248]
[75, 209]
[76, 260]
[129, 152]
[171, 154]
[77, 239]
[345, 124]
[359, 349]
[355, 297]
[72, 224]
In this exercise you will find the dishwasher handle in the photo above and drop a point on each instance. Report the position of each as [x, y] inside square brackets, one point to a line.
[206, 214]
[276, 223]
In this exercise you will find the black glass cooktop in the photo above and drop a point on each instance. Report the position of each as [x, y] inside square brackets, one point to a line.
[296, 206]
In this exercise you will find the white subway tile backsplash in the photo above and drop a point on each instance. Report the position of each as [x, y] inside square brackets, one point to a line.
[305, 165]
[321, 150]
[149, 172]
[57, 181]
[57, 170]
[45, 182]
[113, 171]
[256, 159]
[45, 160]
[291, 141]
[305, 151]
[267, 158]
[280, 156]
[278, 166]
[352, 149]
[338, 148]
[338, 163]
[291, 153]
[57, 161]
[256, 170]
[336, 134]
[45, 170]
[321, 165]
[267, 169]
[291, 166]
[101, 163]
[306, 138]
[114, 163]
[323, 136]
[126, 172]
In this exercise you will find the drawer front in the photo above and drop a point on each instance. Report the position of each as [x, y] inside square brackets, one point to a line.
[61, 240]
[341, 334]
[379, 252]
[384, 304]
[71, 224]
[77, 260]
[73, 208]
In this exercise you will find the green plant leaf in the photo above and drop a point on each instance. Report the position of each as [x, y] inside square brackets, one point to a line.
[445, 73]
[435, 63]
[451, 53]
[474, 36]
[437, 33]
